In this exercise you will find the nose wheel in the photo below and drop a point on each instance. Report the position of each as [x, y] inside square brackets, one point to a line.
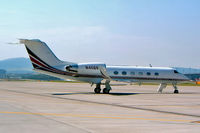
[175, 89]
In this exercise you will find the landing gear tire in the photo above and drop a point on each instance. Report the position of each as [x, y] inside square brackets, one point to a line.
[106, 91]
[97, 90]
[176, 91]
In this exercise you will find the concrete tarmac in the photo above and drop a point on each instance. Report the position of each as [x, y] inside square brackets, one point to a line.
[30, 107]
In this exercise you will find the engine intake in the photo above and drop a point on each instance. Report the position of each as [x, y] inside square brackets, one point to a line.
[72, 68]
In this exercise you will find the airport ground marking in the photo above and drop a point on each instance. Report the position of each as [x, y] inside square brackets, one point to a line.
[107, 117]
[107, 104]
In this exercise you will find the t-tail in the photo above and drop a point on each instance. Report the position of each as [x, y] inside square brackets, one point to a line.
[41, 55]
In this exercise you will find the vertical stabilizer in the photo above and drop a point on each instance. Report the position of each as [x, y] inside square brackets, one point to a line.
[40, 53]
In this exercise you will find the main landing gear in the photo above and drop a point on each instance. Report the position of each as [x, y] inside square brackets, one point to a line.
[106, 90]
[97, 89]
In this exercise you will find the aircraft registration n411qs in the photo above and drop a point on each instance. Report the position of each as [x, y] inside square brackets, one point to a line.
[44, 61]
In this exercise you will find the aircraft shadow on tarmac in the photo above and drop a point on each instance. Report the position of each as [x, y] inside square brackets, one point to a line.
[92, 93]
[119, 93]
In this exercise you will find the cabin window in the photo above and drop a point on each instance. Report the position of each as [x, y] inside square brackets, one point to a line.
[175, 71]
[140, 73]
[148, 73]
[116, 72]
[124, 73]
[132, 73]
[156, 74]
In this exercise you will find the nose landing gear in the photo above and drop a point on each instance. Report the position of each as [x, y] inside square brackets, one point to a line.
[164, 85]
[175, 89]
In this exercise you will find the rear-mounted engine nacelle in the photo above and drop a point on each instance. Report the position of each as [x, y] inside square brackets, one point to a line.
[72, 68]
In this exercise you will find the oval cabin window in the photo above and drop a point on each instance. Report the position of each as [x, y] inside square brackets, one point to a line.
[116, 72]
[148, 73]
[140, 73]
[132, 73]
[156, 74]
[124, 73]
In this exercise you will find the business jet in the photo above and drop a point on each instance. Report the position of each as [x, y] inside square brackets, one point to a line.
[44, 61]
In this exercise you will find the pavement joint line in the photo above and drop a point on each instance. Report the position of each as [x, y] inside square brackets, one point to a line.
[108, 104]
[107, 117]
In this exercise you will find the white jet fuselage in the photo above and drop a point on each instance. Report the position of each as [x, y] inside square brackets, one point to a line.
[145, 74]
[44, 61]
[93, 73]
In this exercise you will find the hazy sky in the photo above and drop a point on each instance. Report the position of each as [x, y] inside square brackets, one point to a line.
[118, 32]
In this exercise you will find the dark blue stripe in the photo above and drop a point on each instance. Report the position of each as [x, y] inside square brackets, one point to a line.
[36, 57]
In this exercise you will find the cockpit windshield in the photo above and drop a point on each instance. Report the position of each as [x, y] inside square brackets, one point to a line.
[175, 71]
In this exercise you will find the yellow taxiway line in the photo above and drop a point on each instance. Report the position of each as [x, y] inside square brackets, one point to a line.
[95, 116]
